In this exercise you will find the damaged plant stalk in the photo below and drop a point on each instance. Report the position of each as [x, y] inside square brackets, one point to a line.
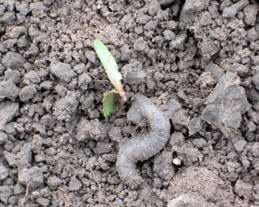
[141, 147]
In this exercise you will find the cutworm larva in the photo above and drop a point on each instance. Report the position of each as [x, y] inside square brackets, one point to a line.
[142, 147]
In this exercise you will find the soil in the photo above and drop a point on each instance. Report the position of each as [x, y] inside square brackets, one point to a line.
[197, 60]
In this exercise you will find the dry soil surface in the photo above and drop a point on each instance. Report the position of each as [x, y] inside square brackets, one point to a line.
[197, 60]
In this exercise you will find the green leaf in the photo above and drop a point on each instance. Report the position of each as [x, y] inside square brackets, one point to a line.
[108, 62]
[110, 66]
[109, 101]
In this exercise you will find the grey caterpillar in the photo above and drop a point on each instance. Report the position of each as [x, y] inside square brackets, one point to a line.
[142, 147]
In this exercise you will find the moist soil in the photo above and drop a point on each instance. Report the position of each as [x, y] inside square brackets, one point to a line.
[197, 60]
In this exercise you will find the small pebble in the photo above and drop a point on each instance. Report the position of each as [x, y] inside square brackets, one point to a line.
[74, 184]
[177, 161]
[3, 172]
[27, 93]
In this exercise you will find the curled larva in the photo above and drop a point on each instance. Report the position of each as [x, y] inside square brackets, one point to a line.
[142, 147]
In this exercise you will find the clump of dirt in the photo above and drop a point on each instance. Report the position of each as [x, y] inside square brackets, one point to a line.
[204, 182]
[196, 60]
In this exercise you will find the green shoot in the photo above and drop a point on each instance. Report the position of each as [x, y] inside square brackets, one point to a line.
[111, 69]
[109, 99]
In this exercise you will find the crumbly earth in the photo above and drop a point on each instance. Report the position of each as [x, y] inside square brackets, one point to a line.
[198, 61]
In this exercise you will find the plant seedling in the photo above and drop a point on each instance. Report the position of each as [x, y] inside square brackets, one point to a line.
[112, 71]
